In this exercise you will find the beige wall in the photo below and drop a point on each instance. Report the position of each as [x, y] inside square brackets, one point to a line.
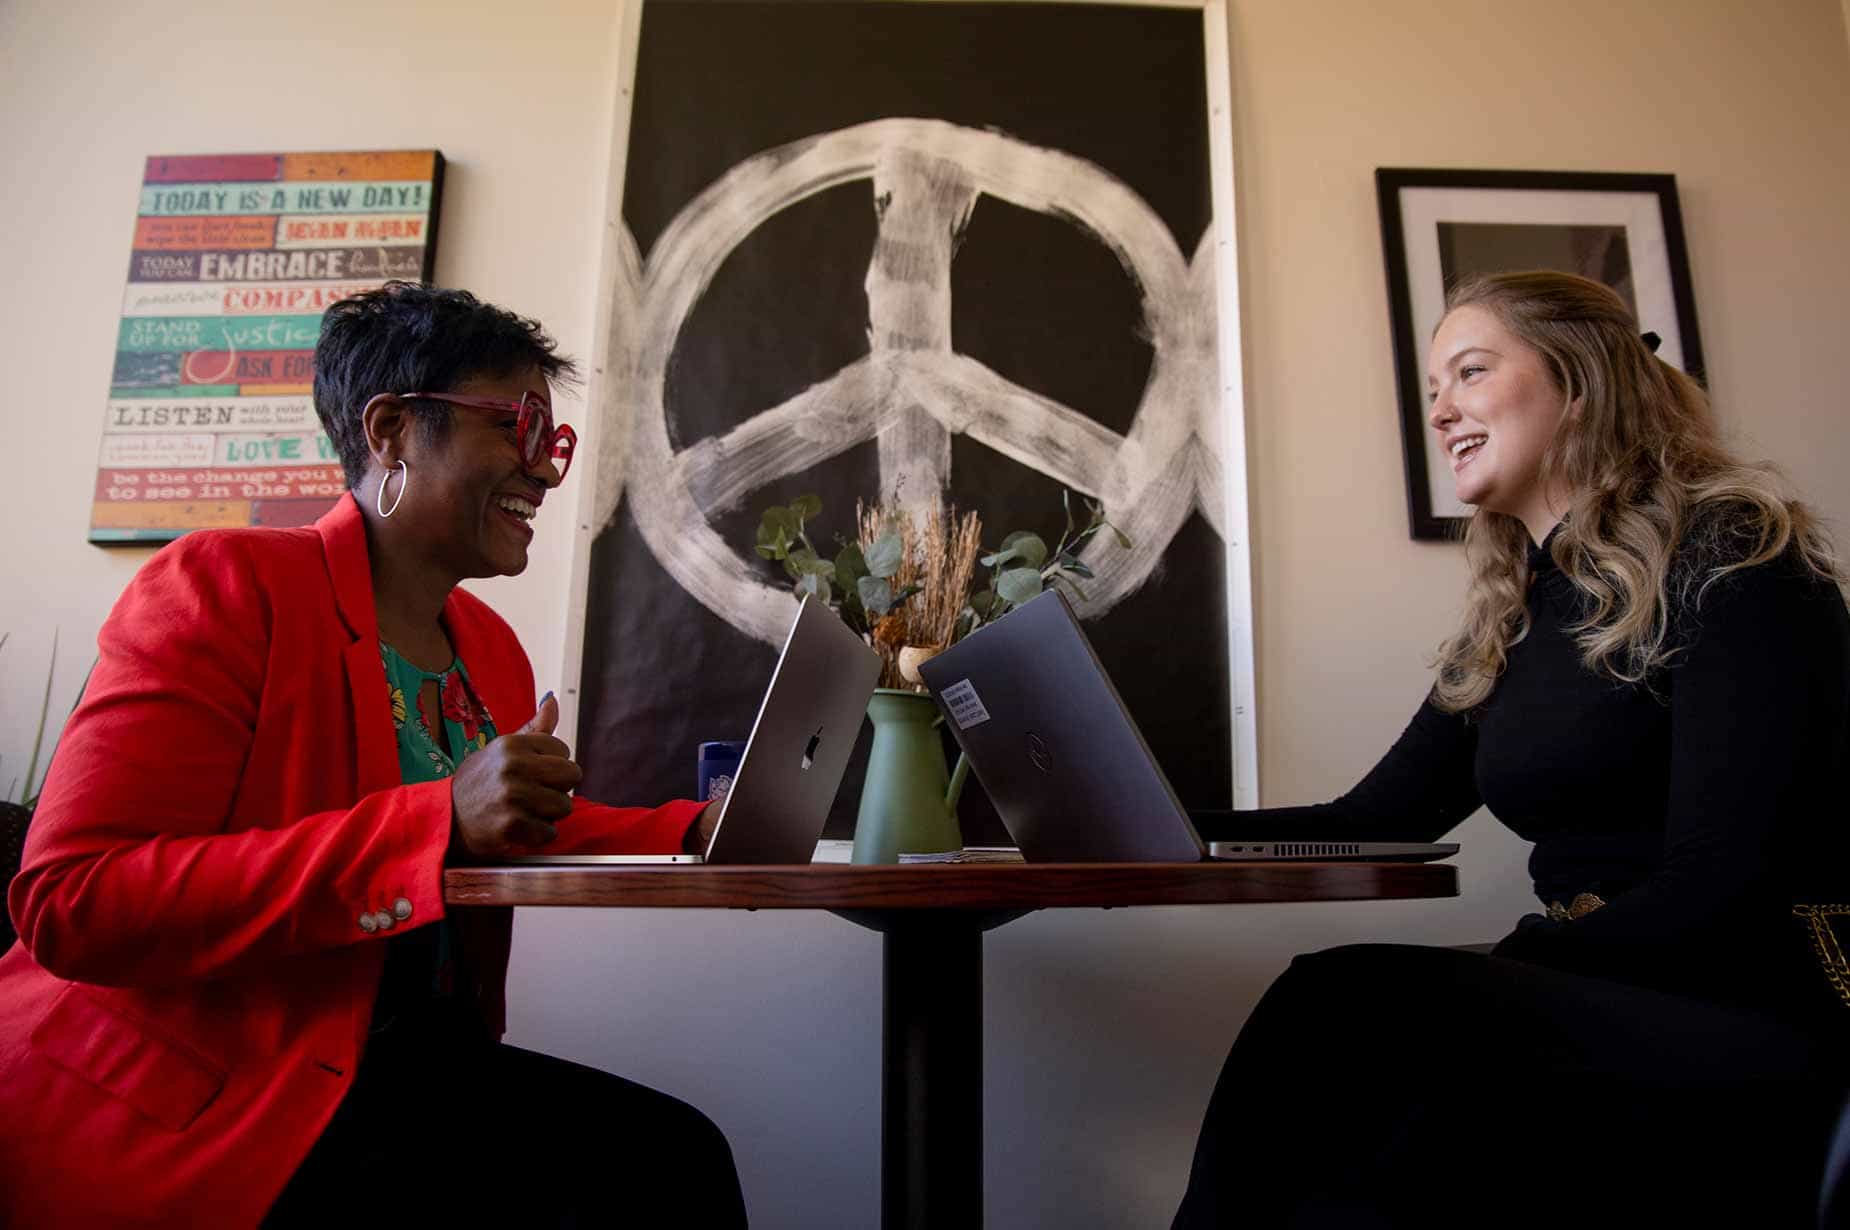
[519, 98]
[1103, 1031]
[1747, 104]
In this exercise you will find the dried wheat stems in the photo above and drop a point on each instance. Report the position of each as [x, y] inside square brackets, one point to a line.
[937, 559]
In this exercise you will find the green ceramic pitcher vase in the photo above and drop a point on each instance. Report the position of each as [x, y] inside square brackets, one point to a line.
[909, 801]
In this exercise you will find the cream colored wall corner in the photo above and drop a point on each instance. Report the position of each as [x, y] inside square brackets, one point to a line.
[1104, 1030]
[516, 97]
[1750, 115]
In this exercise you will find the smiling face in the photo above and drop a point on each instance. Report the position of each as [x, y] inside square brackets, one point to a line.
[473, 499]
[1496, 407]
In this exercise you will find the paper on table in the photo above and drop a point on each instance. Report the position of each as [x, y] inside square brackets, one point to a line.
[969, 854]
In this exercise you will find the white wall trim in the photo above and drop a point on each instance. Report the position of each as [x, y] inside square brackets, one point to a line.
[1221, 166]
[599, 381]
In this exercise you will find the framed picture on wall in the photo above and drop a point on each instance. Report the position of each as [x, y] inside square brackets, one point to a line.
[210, 421]
[1440, 226]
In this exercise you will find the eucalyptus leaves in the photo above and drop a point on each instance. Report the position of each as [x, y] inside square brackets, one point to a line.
[863, 576]
[1022, 566]
[871, 579]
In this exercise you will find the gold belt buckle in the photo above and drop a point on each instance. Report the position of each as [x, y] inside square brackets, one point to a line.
[1581, 906]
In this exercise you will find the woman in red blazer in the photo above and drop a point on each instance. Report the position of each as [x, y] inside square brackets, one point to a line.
[237, 997]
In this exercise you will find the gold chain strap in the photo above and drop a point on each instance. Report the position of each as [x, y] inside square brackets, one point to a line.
[1826, 946]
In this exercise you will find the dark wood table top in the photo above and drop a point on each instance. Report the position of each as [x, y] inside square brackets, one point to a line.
[940, 886]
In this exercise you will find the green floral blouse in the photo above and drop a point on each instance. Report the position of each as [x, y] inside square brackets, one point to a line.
[421, 965]
[466, 726]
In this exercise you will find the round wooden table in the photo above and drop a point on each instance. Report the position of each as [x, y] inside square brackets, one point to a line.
[933, 917]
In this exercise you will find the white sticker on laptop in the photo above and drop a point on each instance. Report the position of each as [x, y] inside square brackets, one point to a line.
[965, 705]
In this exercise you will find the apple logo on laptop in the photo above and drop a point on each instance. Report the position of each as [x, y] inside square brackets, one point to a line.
[809, 753]
[1038, 755]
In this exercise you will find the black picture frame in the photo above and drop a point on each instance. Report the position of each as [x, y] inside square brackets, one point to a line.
[1438, 224]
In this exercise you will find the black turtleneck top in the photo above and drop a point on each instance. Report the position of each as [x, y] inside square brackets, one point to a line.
[1701, 805]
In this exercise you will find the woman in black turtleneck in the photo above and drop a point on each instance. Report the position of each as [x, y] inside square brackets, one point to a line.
[1651, 682]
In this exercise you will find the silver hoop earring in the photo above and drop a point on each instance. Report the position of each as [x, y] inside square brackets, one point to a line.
[404, 480]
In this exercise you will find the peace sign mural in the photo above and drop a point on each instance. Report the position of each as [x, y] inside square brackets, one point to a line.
[819, 293]
[912, 392]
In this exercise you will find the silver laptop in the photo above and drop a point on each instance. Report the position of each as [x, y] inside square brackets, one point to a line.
[800, 744]
[1066, 766]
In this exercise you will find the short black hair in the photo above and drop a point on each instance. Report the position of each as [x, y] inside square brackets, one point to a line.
[405, 337]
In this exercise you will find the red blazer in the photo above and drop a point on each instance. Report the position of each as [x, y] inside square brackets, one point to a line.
[191, 991]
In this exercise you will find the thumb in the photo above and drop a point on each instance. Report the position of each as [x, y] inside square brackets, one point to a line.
[545, 719]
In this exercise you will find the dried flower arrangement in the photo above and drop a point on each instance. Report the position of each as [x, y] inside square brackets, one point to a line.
[906, 587]
[936, 561]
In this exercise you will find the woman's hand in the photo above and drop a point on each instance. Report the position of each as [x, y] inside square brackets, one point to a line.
[700, 832]
[508, 796]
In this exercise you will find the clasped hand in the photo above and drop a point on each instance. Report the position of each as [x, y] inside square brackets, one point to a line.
[510, 795]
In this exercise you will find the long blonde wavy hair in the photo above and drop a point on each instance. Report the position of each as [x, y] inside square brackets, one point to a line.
[1647, 473]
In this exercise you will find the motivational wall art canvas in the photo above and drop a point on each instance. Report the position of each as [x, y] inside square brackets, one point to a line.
[209, 420]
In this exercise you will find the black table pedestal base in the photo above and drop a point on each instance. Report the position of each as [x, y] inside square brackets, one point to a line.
[931, 1165]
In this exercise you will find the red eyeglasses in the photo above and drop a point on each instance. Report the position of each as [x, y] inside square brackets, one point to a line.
[534, 434]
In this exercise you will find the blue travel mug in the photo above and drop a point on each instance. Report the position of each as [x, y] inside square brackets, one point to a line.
[718, 761]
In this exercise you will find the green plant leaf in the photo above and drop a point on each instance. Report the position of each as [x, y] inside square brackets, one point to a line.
[984, 603]
[774, 538]
[33, 802]
[1012, 549]
[1028, 548]
[806, 507]
[32, 765]
[815, 585]
[1077, 569]
[1018, 585]
[850, 564]
[848, 603]
[900, 597]
[1066, 506]
[876, 595]
[775, 518]
[806, 563]
[883, 555]
[1124, 539]
[84, 686]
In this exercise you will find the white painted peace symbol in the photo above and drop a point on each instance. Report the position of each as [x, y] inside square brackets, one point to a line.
[912, 392]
